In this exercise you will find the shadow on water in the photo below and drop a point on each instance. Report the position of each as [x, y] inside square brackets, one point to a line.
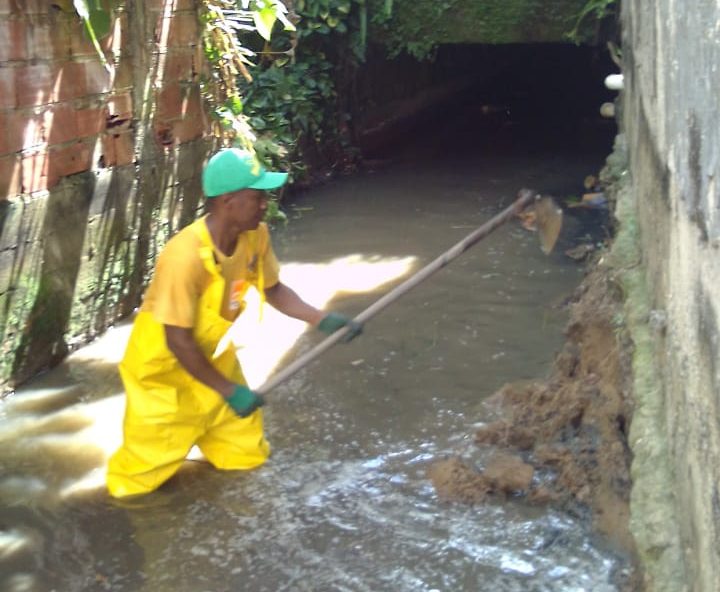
[51, 538]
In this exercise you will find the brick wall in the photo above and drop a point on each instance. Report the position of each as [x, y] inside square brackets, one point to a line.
[98, 166]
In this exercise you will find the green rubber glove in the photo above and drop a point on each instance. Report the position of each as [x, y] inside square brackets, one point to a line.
[244, 401]
[333, 321]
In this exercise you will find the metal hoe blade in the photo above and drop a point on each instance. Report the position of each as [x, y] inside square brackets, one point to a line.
[549, 218]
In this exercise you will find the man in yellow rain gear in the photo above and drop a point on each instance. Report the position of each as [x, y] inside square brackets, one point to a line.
[180, 391]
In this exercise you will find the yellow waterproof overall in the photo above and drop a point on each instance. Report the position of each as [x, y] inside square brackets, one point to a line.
[168, 411]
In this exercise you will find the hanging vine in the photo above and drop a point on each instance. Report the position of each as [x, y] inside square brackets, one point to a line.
[597, 10]
[223, 22]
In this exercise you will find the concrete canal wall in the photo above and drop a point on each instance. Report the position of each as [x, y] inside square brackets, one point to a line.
[671, 124]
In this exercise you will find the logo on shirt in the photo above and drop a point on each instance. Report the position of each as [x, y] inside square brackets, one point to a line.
[237, 291]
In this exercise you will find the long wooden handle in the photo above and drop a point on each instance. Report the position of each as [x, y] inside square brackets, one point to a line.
[525, 198]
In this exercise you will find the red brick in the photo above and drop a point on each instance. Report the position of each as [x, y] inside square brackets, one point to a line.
[200, 62]
[13, 32]
[124, 148]
[164, 133]
[109, 155]
[183, 122]
[183, 28]
[161, 6]
[189, 128]
[65, 27]
[7, 88]
[34, 172]
[178, 66]
[6, 7]
[97, 78]
[120, 106]
[118, 148]
[5, 135]
[123, 75]
[80, 44]
[50, 40]
[192, 100]
[169, 101]
[60, 124]
[33, 85]
[33, 133]
[69, 159]
[173, 5]
[71, 82]
[31, 7]
[91, 121]
[9, 176]
[40, 41]
[187, 5]
[43, 169]
[22, 130]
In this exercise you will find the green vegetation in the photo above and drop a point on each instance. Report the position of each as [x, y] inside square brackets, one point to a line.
[290, 91]
[595, 10]
[418, 28]
[280, 77]
[223, 26]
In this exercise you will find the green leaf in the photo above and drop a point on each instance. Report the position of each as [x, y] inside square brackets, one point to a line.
[235, 105]
[287, 24]
[264, 21]
[257, 122]
[388, 8]
[87, 15]
[81, 7]
[100, 22]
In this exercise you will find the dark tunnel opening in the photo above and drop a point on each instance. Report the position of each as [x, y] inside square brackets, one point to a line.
[515, 99]
[505, 111]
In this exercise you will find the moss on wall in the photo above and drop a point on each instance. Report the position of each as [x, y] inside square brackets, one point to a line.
[75, 261]
[417, 26]
[653, 522]
[20, 262]
[42, 342]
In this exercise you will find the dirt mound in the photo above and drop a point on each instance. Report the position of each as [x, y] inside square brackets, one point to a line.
[571, 427]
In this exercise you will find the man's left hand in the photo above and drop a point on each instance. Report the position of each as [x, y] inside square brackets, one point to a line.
[243, 401]
[333, 321]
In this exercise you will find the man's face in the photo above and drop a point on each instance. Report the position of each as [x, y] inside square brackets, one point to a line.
[247, 208]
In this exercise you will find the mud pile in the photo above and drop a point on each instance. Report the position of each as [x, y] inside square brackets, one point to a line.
[563, 441]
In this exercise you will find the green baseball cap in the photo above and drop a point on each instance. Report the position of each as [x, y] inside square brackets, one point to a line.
[232, 169]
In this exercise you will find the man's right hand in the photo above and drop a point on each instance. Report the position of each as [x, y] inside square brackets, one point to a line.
[333, 321]
[244, 401]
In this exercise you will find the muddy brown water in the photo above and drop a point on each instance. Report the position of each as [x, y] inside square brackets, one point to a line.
[344, 504]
